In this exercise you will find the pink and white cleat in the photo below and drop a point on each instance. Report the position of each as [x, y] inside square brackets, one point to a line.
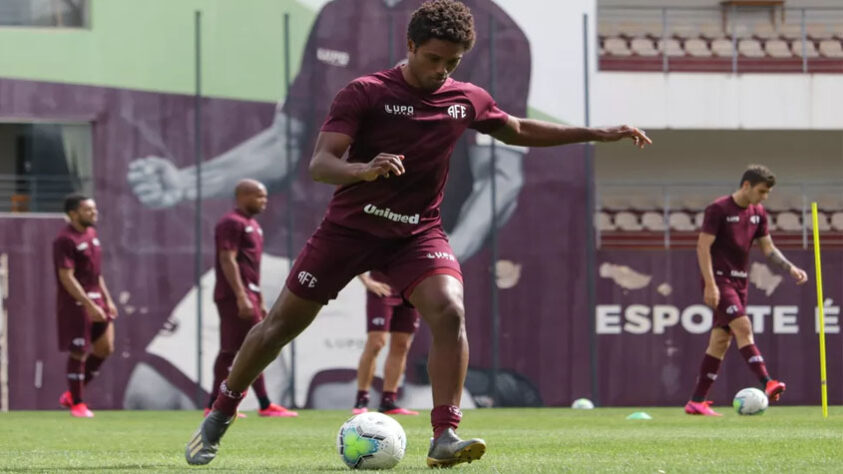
[700, 408]
[66, 400]
[774, 390]
[359, 410]
[277, 411]
[208, 410]
[80, 410]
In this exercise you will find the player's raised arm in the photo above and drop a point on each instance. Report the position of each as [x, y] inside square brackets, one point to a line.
[327, 165]
[775, 257]
[528, 132]
[711, 295]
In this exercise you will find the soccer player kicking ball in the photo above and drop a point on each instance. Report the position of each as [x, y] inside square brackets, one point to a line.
[386, 314]
[85, 309]
[399, 127]
[730, 226]
[238, 240]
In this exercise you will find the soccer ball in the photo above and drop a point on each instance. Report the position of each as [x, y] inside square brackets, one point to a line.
[750, 401]
[582, 404]
[371, 441]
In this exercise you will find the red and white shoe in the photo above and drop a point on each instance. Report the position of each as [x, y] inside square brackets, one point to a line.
[277, 411]
[774, 390]
[397, 411]
[66, 400]
[700, 408]
[208, 410]
[80, 410]
[359, 410]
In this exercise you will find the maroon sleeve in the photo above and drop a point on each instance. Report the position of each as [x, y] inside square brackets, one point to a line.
[487, 116]
[227, 234]
[712, 219]
[347, 110]
[763, 226]
[63, 252]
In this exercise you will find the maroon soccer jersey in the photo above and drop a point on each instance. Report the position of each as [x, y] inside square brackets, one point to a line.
[80, 251]
[734, 228]
[384, 114]
[238, 232]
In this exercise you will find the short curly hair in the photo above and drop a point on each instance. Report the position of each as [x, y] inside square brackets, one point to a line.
[447, 20]
[758, 174]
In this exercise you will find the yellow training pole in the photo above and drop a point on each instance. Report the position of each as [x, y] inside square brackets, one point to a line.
[820, 308]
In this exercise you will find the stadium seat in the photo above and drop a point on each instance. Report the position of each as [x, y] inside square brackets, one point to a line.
[822, 221]
[790, 31]
[788, 221]
[616, 47]
[698, 48]
[777, 48]
[818, 31]
[810, 48]
[750, 48]
[712, 30]
[643, 47]
[837, 221]
[671, 46]
[603, 221]
[699, 218]
[764, 31]
[652, 220]
[681, 221]
[831, 48]
[722, 47]
[626, 220]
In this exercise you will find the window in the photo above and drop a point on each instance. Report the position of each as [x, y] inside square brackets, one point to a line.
[41, 163]
[45, 13]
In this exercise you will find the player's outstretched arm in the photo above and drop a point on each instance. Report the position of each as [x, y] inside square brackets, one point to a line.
[711, 294]
[776, 258]
[528, 132]
[158, 183]
[327, 165]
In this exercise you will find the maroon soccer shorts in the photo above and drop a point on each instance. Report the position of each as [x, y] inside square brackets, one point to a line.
[76, 331]
[732, 304]
[386, 314]
[233, 328]
[334, 255]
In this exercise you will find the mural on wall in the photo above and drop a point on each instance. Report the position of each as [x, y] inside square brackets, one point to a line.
[143, 182]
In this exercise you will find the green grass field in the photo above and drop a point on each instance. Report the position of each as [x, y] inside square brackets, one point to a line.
[547, 440]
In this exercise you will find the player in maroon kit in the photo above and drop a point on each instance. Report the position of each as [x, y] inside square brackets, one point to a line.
[85, 308]
[238, 238]
[398, 127]
[730, 226]
[386, 314]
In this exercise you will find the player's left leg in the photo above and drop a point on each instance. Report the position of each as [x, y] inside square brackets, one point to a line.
[741, 327]
[289, 316]
[393, 369]
[718, 344]
[267, 408]
[102, 347]
[439, 299]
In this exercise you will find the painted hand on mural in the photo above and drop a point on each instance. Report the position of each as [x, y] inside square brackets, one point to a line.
[156, 182]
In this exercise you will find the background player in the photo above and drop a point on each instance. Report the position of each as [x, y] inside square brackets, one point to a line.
[386, 314]
[239, 243]
[730, 226]
[85, 309]
[383, 218]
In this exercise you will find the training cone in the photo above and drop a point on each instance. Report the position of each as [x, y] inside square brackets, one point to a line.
[639, 415]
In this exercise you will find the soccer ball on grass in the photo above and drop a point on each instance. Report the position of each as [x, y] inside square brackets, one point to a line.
[371, 441]
[750, 401]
